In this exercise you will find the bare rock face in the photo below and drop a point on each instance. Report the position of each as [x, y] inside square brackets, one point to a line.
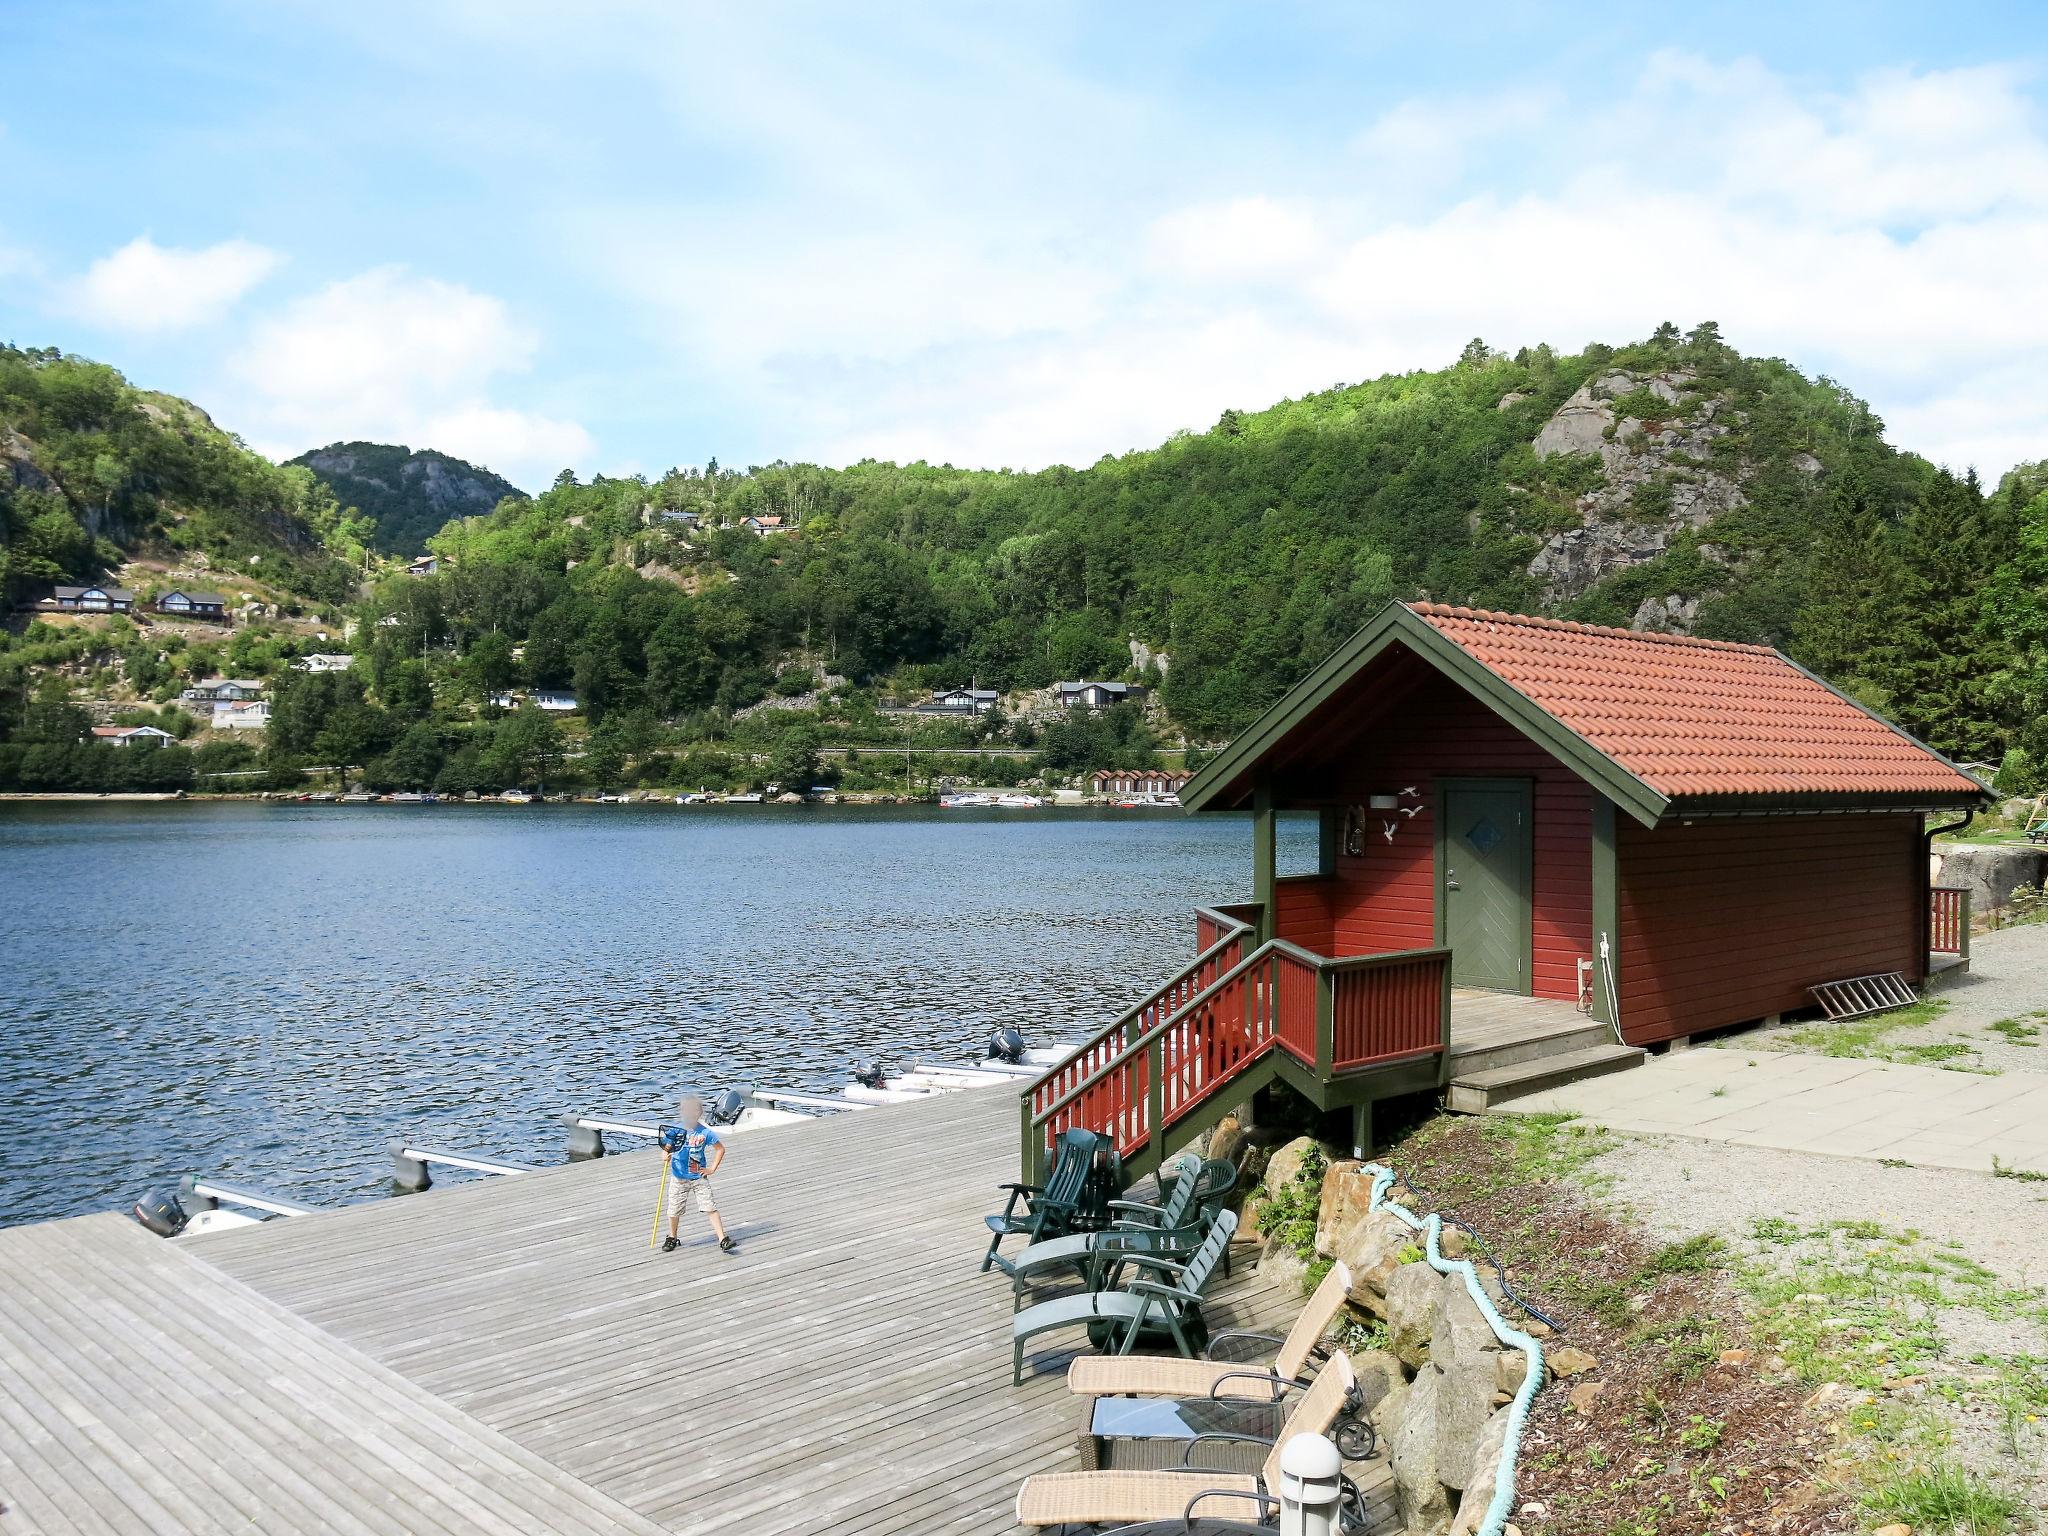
[1992, 873]
[1347, 1197]
[18, 465]
[1225, 1139]
[1487, 1451]
[1465, 1357]
[1285, 1163]
[1372, 1248]
[1411, 1313]
[1380, 1376]
[1411, 1449]
[1657, 484]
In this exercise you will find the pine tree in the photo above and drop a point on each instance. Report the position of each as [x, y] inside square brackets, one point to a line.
[1940, 659]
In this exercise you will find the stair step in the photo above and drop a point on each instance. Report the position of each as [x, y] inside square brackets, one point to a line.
[1473, 1092]
[1535, 1046]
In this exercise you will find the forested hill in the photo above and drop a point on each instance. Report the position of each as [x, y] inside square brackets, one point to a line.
[406, 494]
[94, 470]
[1671, 483]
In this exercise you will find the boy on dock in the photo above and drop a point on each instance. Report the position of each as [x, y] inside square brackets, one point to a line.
[695, 1151]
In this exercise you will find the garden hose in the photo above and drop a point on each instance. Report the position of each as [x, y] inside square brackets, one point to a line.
[1499, 1269]
[1503, 1502]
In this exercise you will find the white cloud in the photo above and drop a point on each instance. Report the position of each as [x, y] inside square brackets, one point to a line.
[1893, 235]
[146, 287]
[390, 356]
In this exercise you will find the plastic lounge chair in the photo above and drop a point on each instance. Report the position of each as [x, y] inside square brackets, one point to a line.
[1048, 1210]
[1117, 1319]
[1172, 1229]
[1187, 1491]
[1224, 1371]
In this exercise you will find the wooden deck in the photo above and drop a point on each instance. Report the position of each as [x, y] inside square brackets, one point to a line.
[508, 1356]
[1483, 1020]
[144, 1391]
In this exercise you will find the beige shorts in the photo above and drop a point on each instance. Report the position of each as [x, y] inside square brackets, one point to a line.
[680, 1192]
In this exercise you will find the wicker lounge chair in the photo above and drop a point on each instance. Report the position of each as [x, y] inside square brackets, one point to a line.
[1226, 1370]
[1115, 1498]
[1116, 1320]
[1051, 1209]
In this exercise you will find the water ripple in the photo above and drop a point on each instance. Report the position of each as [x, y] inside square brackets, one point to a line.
[264, 993]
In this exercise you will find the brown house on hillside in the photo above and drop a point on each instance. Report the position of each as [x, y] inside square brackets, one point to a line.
[1535, 836]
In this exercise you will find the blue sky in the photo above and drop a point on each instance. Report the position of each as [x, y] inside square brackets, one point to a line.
[620, 238]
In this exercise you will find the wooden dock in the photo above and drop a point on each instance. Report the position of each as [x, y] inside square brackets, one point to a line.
[508, 1356]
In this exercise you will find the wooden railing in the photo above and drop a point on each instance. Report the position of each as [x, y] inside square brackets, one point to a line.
[1385, 1008]
[1177, 1049]
[1948, 925]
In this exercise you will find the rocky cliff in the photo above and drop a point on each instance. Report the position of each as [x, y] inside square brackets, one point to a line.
[1669, 465]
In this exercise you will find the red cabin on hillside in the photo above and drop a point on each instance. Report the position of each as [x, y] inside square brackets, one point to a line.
[1544, 845]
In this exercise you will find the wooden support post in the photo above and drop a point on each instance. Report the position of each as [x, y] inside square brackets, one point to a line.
[1155, 1105]
[1963, 927]
[1606, 914]
[1329, 838]
[1326, 1024]
[1265, 855]
[1361, 1129]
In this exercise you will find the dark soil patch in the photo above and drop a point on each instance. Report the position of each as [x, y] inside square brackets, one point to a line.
[1691, 1431]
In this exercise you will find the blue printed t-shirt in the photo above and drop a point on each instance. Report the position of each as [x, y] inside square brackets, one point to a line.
[688, 1150]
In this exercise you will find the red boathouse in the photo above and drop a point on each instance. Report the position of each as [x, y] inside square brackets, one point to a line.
[1544, 845]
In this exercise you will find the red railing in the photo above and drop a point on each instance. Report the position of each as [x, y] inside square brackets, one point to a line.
[1297, 986]
[1181, 1045]
[1948, 925]
[1386, 1007]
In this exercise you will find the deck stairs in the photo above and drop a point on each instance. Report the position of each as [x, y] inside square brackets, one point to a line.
[1484, 1074]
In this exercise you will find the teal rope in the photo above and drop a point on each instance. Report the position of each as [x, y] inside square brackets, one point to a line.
[1431, 1227]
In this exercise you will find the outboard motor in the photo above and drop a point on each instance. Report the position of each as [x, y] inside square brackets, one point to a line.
[724, 1108]
[868, 1073]
[161, 1213]
[1007, 1044]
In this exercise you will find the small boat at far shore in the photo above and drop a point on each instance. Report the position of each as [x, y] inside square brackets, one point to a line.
[970, 801]
[1019, 802]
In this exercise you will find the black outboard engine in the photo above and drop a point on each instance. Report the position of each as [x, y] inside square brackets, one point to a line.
[161, 1213]
[724, 1108]
[868, 1073]
[1006, 1045]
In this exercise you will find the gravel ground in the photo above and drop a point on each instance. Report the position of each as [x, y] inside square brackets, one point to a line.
[1678, 1188]
[2007, 980]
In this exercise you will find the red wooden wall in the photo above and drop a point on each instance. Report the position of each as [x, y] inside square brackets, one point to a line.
[1727, 921]
[1385, 898]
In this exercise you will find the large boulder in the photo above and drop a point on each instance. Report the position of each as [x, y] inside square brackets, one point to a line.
[1411, 1313]
[1486, 1455]
[1411, 1451]
[1286, 1162]
[1992, 873]
[1465, 1357]
[1284, 1267]
[1380, 1376]
[1373, 1248]
[1226, 1139]
[1347, 1198]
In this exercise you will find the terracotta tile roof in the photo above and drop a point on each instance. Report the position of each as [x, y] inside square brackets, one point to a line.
[1694, 717]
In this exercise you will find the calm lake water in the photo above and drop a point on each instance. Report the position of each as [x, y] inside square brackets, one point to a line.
[265, 993]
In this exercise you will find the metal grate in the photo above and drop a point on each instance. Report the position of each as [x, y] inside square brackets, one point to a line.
[1861, 995]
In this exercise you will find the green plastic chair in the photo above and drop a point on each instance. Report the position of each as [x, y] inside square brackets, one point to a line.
[1036, 1211]
[1173, 1229]
[1117, 1320]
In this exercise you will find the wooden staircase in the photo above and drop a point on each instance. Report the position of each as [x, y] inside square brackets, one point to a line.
[1483, 1078]
[1342, 1031]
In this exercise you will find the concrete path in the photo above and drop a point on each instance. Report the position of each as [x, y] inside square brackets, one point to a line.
[1842, 1108]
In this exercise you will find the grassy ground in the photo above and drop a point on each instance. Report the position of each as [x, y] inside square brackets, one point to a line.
[1810, 1377]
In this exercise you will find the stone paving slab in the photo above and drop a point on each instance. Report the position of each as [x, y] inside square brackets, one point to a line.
[1820, 1104]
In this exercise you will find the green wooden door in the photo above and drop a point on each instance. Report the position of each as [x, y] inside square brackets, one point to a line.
[1483, 883]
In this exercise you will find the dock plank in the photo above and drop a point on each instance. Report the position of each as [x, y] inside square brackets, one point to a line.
[144, 1390]
[849, 1368]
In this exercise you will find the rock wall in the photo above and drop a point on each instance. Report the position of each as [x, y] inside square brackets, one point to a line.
[1438, 1392]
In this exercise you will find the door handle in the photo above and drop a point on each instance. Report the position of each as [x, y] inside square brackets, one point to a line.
[1450, 880]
